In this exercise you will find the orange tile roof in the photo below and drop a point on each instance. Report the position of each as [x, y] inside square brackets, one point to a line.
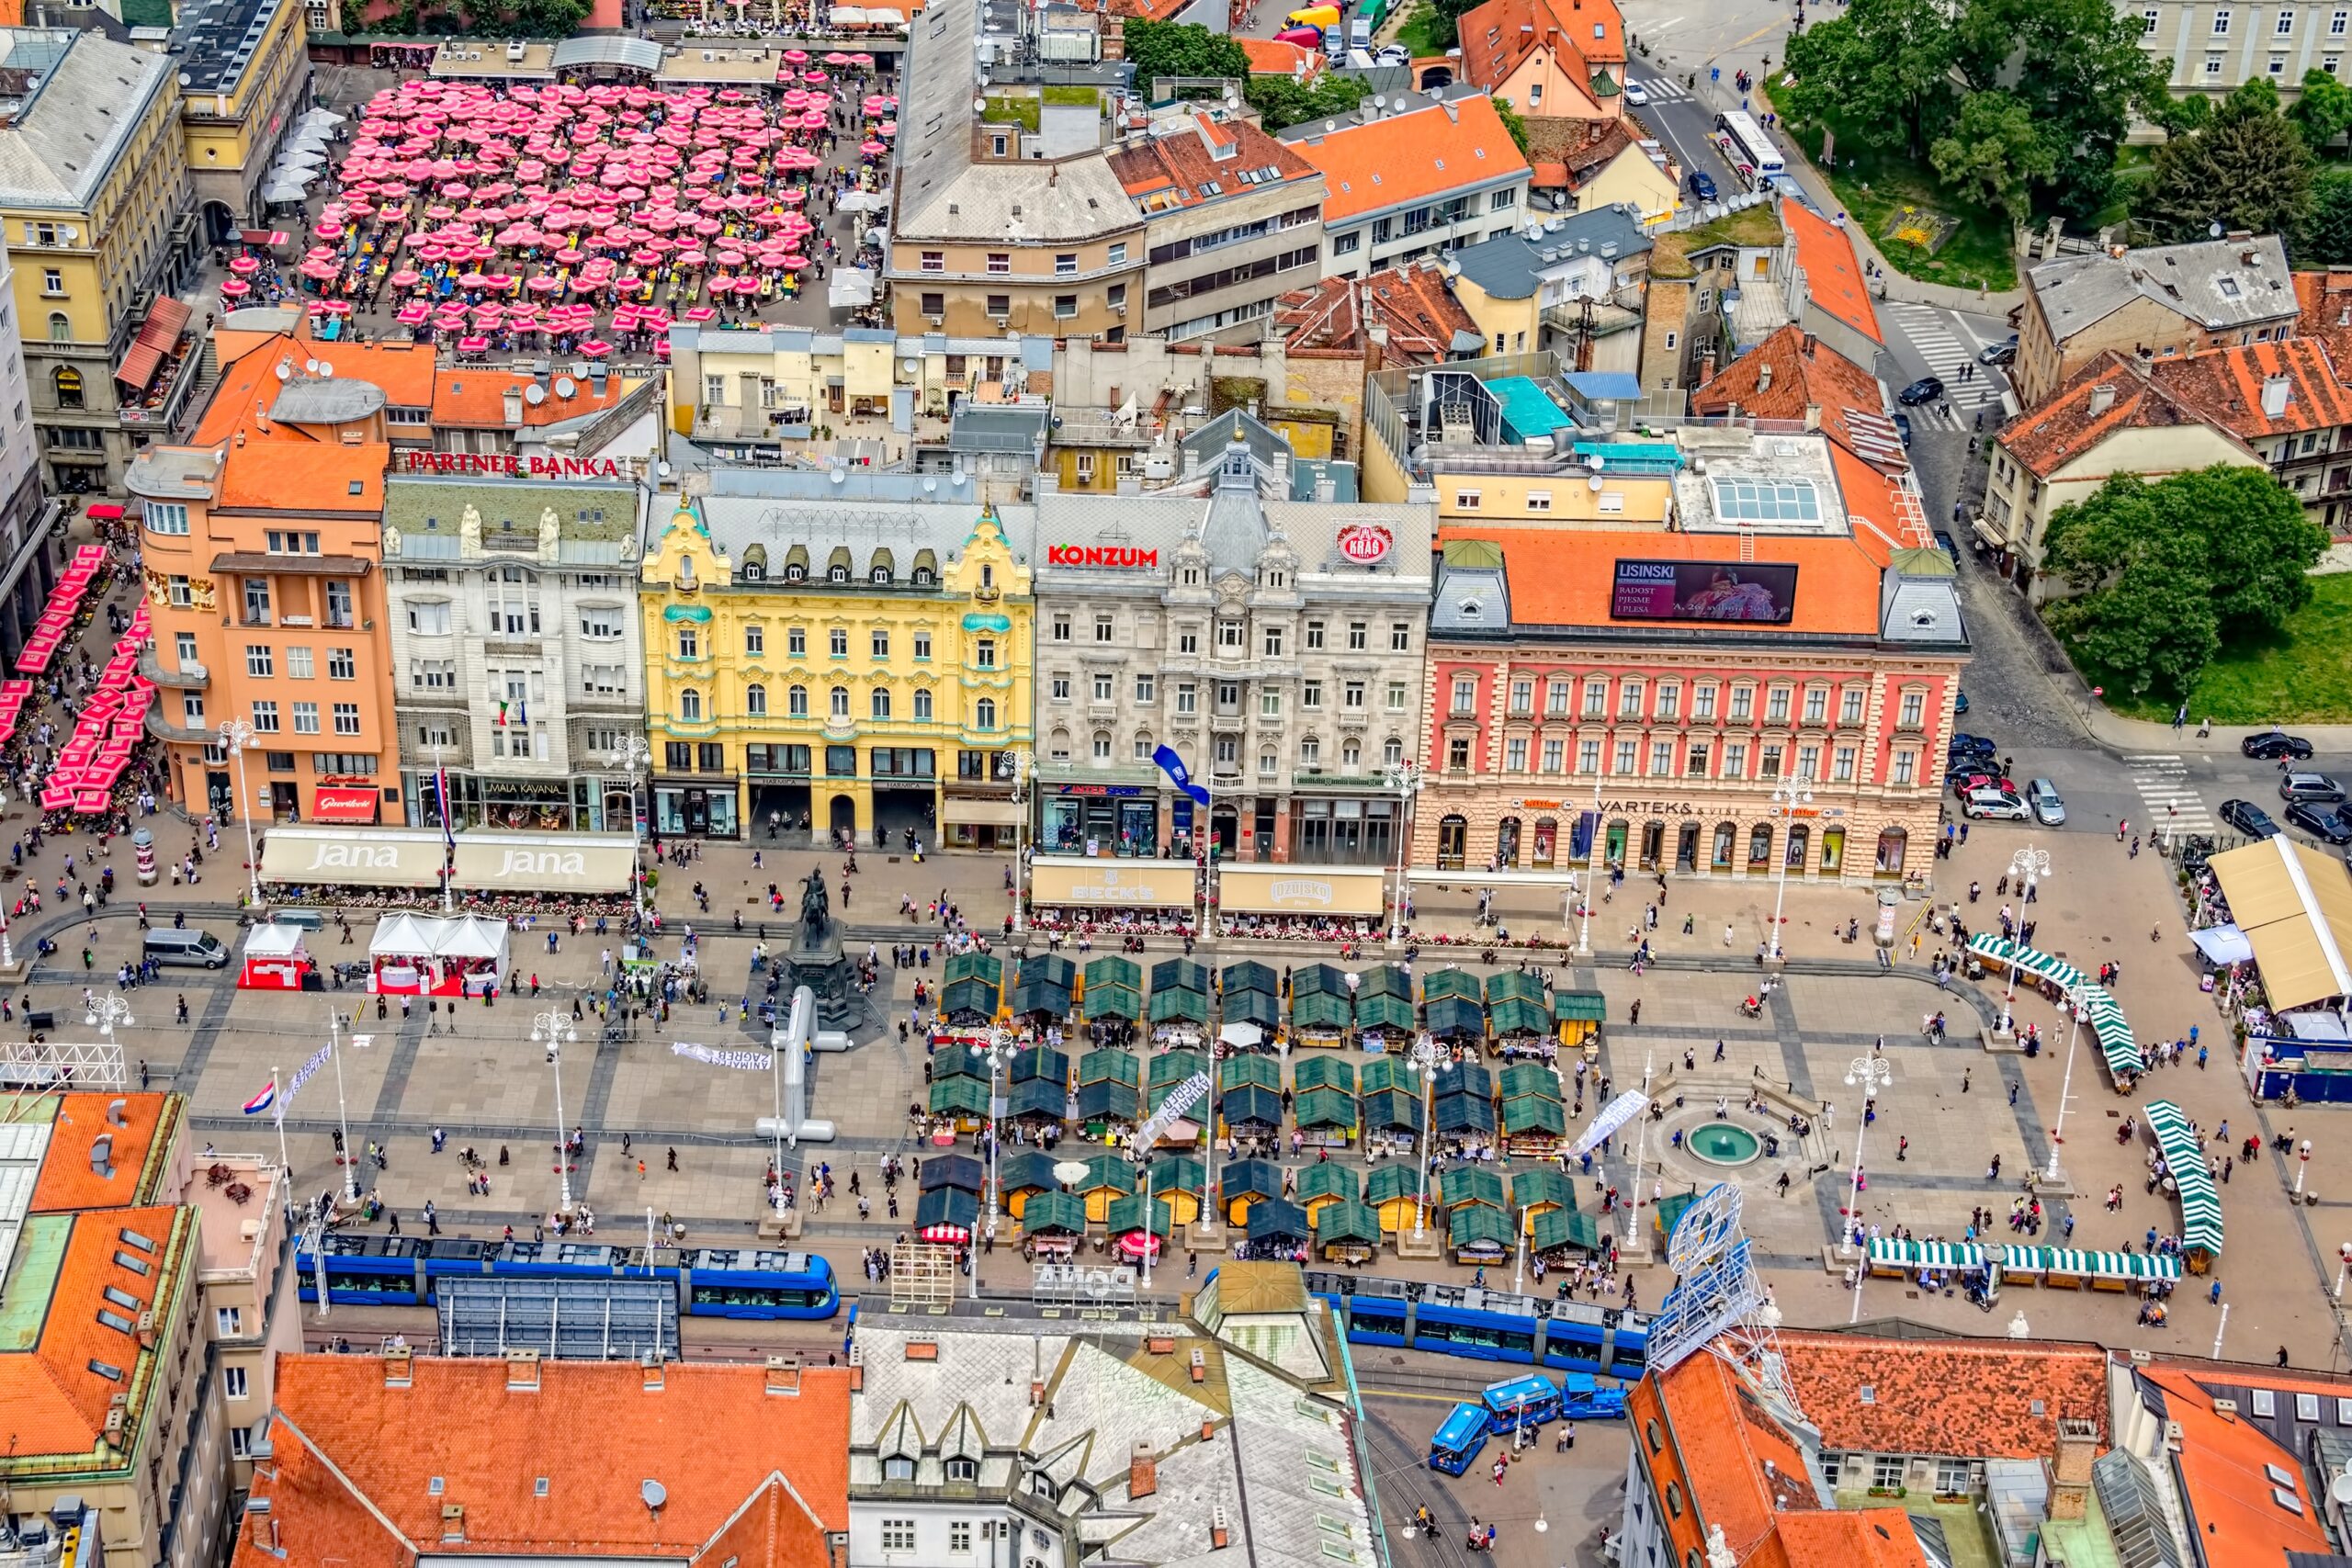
[404, 372]
[1833, 277]
[2326, 301]
[1782, 377]
[1725, 1439]
[1496, 36]
[1563, 577]
[2227, 385]
[1869, 1538]
[299, 474]
[1410, 158]
[67, 1180]
[50, 1396]
[1167, 172]
[1412, 301]
[474, 398]
[1964, 1398]
[2043, 440]
[749, 1475]
[1271, 57]
[2221, 1466]
[1582, 148]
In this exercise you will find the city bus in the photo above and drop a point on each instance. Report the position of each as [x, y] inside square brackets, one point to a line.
[1744, 146]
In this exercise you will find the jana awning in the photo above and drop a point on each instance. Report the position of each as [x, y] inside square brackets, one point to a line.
[166, 319]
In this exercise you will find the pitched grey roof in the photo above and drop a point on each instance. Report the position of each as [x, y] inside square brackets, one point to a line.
[985, 427]
[736, 522]
[2211, 282]
[213, 41]
[1513, 266]
[1163, 523]
[71, 124]
[314, 399]
[856, 484]
[1921, 610]
[1211, 439]
[1471, 599]
[636, 53]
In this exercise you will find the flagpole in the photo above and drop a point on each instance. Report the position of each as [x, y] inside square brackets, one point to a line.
[449, 833]
[284, 1162]
[350, 1165]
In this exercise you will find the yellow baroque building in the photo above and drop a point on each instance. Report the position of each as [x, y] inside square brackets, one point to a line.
[835, 666]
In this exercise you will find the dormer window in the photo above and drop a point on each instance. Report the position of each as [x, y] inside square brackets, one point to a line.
[898, 1467]
[1041, 1486]
[963, 1469]
[926, 578]
[838, 574]
[795, 572]
[882, 575]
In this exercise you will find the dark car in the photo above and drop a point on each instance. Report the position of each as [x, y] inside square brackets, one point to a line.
[2328, 822]
[2310, 786]
[2000, 352]
[1950, 545]
[1966, 745]
[2273, 744]
[2248, 818]
[1703, 186]
[1960, 704]
[1926, 389]
[1903, 427]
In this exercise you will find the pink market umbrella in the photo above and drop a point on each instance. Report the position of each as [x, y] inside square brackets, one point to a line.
[543, 284]
[837, 58]
[814, 78]
[338, 306]
[872, 149]
[235, 289]
[861, 60]
[245, 265]
[812, 120]
[329, 231]
[411, 315]
[796, 56]
[889, 128]
[477, 343]
[407, 277]
[596, 347]
[701, 313]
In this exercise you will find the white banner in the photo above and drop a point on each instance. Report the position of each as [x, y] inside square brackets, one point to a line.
[742, 1061]
[1181, 1099]
[1606, 1122]
[301, 1076]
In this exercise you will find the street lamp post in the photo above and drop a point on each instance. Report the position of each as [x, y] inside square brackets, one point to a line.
[2344, 1262]
[1423, 1061]
[342, 1111]
[2065, 1084]
[1022, 763]
[635, 756]
[1406, 778]
[1869, 1074]
[1789, 796]
[1591, 875]
[554, 1031]
[1000, 1052]
[236, 735]
[2029, 865]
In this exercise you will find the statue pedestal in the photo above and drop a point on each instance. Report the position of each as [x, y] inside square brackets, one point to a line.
[819, 964]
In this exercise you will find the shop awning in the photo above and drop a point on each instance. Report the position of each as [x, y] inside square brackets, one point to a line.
[389, 857]
[2200, 1206]
[553, 862]
[1472, 1184]
[1301, 890]
[2002, 951]
[981, 813]
[1888, 1252]
[166, 319]
[2112, 1032]
[333, 804]
[946, 1214]
[2295, 907]
[1111, 883]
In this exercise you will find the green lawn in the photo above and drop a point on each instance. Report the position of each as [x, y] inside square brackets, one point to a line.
[1417, 31]
[2303, 675]
[1874, 185]
[1086, 96]
[1007, 109]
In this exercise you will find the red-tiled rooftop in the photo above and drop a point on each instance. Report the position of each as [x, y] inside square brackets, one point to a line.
[1833, 277]
[1973, 1398]
[2073, 421]
[68, 1178]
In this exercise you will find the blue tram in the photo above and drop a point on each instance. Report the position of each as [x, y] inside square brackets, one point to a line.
[1487, 1325]
[716, 1281]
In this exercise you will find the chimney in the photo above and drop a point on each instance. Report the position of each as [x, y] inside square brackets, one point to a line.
[1813, 416]
[1220, 1536]
[522, 1371]
[2102, 398]
[1453, 110]
[1037, 1391]
[1200, 1366]
[1594, 131]
[1142, 1473]
[1208, 1429]
[649, 1370]
[597, 373]
[514, 402]
[400, 1366]
[1375, 347]
[922, 1350]
[2277, 392]
[453, 1521]
[856, 1369]
[2070, 1469]
[1764, 377]
[1160, 1344]
[783, 1375]
[114, 1118]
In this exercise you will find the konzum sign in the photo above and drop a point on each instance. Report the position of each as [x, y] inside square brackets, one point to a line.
[1102, 555]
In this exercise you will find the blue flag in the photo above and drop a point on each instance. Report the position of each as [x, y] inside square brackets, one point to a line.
[1173, 766]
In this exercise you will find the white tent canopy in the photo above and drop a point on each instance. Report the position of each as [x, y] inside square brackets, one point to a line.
[426, 936]
[272, 941]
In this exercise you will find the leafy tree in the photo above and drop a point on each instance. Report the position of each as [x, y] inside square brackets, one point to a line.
[1446, 20]
[1513, 121]
[2162, 571]
[2324, 110]
[1995, 153]
[545, 18]
[2249, 169]
[2179, 117]
[1182, 49]
[1284, 101]
[2080, 67]
[2327, 236]
[1882, 67]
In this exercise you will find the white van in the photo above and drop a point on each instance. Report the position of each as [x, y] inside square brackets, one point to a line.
[187, 948]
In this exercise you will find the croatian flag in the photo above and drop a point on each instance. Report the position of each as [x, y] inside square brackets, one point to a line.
[441, 793]
[1173, 766]
[264, 1100]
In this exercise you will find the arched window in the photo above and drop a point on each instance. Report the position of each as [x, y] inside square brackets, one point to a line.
[1351, 754]
[1102, 745]
[60, 327]
[1719, 859]
[690, 706]
[984, 714]
[841, 702]
[1507, 843]
[923, 702]
[756, 699]
[1891, 846]
[1800, 838]
[68, 382]
[795, 572]
[796, 701]
[839, 574]
[1759, 844]
[881, 702]
[925, 577]
[1392, 752]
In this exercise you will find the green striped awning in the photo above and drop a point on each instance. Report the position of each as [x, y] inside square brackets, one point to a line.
[2137, 1265]
[2001, 950]
[2113, 1034]
[1886, 1251]
[2200, 1206]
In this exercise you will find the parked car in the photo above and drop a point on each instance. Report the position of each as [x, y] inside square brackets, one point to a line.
[1702, 185]
[1903, 426]
[1926, 389]
[2272, 745]
[2047, 808]
[1966, 781]
[1950, 545]
[1304, 38]
[1997, 804]
[1963, 744]
[1393, 54]
[1636, 95]
[2330, 823]
[2000, 352]
[1959, 704]
[2248, 818]
[2310, 786]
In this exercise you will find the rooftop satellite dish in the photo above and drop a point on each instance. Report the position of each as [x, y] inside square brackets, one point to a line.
[979, 106]
[2340, 1489]
[1593, 483]
[324, 367]
[311, 365]
[1380, 100]
[565, 386]
[662, 468]
[535, 394]
[1594, 461]
[284, 369]
[186, 80]
[654, 1494]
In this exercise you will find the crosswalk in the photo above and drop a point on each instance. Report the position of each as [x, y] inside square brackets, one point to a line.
[1929, 334]
[1664, 89]
[2162, 781]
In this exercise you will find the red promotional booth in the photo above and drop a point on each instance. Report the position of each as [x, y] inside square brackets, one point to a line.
[425, 956]
[275, 959]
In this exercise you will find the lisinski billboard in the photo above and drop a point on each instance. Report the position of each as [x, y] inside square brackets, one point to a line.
[1760, 593]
